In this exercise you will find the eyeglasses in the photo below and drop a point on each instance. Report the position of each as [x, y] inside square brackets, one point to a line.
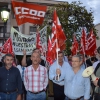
[75, 61]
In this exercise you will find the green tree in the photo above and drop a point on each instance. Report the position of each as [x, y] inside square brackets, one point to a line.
[73, 18]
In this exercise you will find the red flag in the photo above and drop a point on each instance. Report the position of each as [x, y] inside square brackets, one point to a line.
[91, 44]
[58, 38]
[75, 46]
[84, 46]
[50, 55]
[27, 12]
[38, 42]
[57, 30]
[7, 47]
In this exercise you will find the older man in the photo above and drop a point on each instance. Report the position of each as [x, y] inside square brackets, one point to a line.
[29, 61]
[76, 87]
[36, 79]
[10, 80]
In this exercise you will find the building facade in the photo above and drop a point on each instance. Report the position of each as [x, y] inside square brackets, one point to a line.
[98, 29]
[26, 28]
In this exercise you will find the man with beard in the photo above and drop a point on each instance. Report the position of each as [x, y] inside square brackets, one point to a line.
[36, 79]
[10, 80]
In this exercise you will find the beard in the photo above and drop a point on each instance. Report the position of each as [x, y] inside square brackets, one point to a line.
[9, 65]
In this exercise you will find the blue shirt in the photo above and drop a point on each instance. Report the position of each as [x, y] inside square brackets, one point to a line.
[52, 71]
[75, 85]
[10, 80]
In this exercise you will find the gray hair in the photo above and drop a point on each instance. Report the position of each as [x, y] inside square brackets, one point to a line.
[8, 55]
[78, 56]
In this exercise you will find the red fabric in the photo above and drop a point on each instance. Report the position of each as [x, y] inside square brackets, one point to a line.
[84, 45]
[38, 42]
[57, 40]
[50, 56]
[91, 44]
[75, 46]
[27, 12]
[7, 47]
[57, 30]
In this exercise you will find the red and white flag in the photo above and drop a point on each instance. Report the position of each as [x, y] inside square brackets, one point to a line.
[57, 40]
[38, 42]
[84, 45]
[75, 46]
[27, 12]
[7, 47]
[91, 43]
[57, 30]
[49, 56]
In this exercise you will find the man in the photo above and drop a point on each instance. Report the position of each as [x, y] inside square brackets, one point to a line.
[96, 66]
[97, 84]
[97, 62]
[36, 79]
[21, 69]
[76, 87]
[10, 80]
[29, 62]
[58, 88]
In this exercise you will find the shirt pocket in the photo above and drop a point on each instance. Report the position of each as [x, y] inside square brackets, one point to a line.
[42, 77]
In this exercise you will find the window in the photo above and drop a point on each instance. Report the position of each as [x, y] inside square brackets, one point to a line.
[13, 15]
[32, 29]
[2, 31]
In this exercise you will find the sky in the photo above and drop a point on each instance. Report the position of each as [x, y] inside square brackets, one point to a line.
[94, 4]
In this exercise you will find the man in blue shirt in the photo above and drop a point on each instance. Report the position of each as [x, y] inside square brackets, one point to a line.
[76, 87]
[58, 87]
[10, 80]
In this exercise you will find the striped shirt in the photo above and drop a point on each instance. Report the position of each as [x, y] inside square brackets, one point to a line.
[35, 80]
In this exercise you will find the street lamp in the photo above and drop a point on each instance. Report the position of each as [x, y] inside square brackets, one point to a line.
[4, 16]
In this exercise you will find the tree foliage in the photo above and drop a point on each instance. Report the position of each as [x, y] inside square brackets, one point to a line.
[73, 18]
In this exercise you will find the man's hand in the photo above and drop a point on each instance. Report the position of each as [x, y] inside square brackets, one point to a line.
[19, 97]
[58, 71]
[24, 52]
[95, 82]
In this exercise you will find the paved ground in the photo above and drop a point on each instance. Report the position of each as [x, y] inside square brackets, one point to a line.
[50, 98]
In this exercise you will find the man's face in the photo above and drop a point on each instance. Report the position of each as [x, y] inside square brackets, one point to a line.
[35, 58]
[8, 61]
[76, 62]
[60, 57]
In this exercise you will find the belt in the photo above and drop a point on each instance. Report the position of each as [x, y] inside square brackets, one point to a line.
[37, 92]
[59, 85]
[77, 98]
[97, 93]
[9, 92]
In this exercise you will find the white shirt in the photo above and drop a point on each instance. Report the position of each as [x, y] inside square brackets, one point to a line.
[20, 69]
[95, 64]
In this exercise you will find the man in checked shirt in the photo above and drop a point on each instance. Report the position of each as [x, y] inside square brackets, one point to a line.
[36, 79]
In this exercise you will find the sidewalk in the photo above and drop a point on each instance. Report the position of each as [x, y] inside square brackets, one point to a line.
[50, 98]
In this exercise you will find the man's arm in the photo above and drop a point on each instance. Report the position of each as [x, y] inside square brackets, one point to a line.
[46, 78]
[87, 89]
[97, 82]
[19, 84]
[26, 79]
[24, 58]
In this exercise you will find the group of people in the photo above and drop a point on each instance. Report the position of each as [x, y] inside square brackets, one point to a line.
[31, 78]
